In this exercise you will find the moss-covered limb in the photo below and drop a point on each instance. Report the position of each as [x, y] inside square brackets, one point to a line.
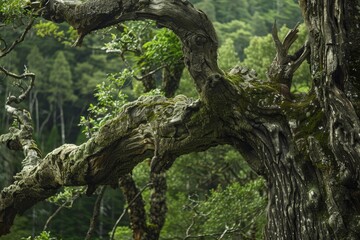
[177, 125]
[271, 143]
[21, 138]
[191, 25]
[285, 141]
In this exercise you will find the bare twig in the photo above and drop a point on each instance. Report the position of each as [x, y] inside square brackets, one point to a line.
[21, 38]
[284, 65]
[5, 44]
[225, 231]
[190, 226]
[140, 78]
[59, 209]
[127, 208]
[25, 93]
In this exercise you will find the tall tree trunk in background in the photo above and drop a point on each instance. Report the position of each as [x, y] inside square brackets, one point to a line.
[62, 121]
[37, 116]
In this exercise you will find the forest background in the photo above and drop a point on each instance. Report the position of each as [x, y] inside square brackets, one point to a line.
[208, 192]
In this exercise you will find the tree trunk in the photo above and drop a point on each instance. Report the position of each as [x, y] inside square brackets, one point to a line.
[136, 206]
[158, 207]
[312, 163]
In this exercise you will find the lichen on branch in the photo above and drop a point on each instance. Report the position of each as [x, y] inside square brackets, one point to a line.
[151, 123]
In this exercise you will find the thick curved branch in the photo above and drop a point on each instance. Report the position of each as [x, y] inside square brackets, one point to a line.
[169, 126]
[191, 25]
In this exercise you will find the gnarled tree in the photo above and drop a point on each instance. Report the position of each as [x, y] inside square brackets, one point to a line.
[306, 147]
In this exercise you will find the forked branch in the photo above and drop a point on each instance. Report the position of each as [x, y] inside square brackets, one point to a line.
[284, 65]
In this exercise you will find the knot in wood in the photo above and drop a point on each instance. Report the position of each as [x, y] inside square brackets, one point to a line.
[213, 80]
[200, 40]
[14, 144]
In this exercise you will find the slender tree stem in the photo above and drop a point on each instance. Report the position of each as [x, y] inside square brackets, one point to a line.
[127, 208]
[96, 213]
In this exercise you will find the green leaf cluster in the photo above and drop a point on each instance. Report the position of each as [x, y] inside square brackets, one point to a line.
[12, 10]
[110, 99]
[64, 34]
[66, 196]
[163, 48]
[123, 233]
[44, 235]
[237, 206]
[129, 37]
[211, 191]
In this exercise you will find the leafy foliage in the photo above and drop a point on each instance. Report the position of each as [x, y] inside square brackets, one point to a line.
[206, 186]
[237, 207]
[12, 10]
[123, 233]
[145, 47]
[163, 48]
[42, 236]
[130, 37]
[110, 99]
[50, 29]
[67, 196]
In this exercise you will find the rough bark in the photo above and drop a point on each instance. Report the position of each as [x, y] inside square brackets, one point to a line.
[143, 230]
[149, 124]
[158, 207]
[307, 148]
[136, 206]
